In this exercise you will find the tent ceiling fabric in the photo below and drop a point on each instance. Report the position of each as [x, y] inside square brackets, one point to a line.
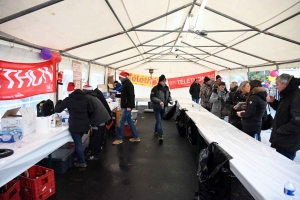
[92, 29]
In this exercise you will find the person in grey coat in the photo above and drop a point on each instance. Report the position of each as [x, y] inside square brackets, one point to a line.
[218, 98]
[160, 97]
[97, 119]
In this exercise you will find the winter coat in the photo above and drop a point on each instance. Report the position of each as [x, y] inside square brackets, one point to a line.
[99, 114]
[127, 94]
[233, 99]
[100, 96]
[118, 87]
[256, 107]
[205, 93]
[285, 135]
[78, 106]
[195, 90]
[217, 102]
[234, 89]
[160, 94]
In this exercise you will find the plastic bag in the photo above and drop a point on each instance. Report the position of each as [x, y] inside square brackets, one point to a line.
[214, 174]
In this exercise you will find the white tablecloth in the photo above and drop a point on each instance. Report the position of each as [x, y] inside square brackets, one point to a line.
[259, 167]
[30, 150]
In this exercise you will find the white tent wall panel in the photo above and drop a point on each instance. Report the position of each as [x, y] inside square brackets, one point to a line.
[290, 65]
[8, 7]
[120, 64]
[240, 57]
[118, 56]
[103, 47]
[223, 62]
[210, 65]
[256, 69]
[285, 29]
[144, 10]
[65, 24]
[270, 48]
[256, 12]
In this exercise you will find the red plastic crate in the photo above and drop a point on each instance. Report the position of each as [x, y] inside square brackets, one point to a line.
[127, 131]
[38, 188]
[13, 192]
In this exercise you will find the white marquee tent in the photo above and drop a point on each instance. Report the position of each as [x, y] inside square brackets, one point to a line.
[175, 37]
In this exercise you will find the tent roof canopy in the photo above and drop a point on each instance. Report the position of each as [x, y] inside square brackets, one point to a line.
[124, 34]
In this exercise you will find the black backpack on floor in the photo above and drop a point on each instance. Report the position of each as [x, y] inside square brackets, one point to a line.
[181, 122]
[45, 108]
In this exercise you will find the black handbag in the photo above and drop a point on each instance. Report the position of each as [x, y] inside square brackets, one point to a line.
[267, 120]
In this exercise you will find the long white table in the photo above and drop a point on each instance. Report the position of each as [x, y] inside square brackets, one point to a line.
[259, 167]
[30, 150]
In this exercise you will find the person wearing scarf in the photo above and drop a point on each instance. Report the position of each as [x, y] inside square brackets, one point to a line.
[218, 98]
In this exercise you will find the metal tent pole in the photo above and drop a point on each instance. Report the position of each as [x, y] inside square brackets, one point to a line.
[29, 10]
[206, 31]
[131, 29]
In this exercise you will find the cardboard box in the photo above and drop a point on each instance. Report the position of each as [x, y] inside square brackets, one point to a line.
[110, 87]
[26, 121]
[103, 87]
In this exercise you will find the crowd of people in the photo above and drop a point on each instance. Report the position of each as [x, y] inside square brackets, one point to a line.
[246, 108]
[245, 105]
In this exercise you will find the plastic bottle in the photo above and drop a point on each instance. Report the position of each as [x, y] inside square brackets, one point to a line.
[289, 191]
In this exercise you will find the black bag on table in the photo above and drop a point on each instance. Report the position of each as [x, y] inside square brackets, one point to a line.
[192, 132]
[181, 122]
[45, 108]
[171, 112]
[214, 174]
[267, 120]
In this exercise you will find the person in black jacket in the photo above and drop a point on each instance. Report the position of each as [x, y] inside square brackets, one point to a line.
[127, 104]
[285, 136]
[79, 108]
[256, 106]
[195, 91]
[160, 97]
[98, 118]
[233, 86]
[231, 103]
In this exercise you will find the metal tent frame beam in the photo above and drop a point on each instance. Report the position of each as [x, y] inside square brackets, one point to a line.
[204, 60]
[213, 55]
[117, 18]
[195, 62]
[143, 53]
[131, 29]
[29, 10]
[181, 46]
[98, 58]
[142, 60]
[181, 31]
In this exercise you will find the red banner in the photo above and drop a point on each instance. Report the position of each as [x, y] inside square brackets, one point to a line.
[20, 80]
[186, 81]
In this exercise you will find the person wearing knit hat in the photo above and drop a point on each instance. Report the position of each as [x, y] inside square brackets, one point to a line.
[98, 118]
[160, 97]
[218, 78]
[71, 87]
[205, 93]
[127, 104]
[79, 108]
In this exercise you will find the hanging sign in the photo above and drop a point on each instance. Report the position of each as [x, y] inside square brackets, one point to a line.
[186, 81]
[77, 74]
[140, 79]
[20, 80]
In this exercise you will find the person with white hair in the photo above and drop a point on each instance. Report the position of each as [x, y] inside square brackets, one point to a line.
[285, 136]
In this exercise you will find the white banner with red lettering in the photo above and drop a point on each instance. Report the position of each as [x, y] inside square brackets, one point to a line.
[20, 80]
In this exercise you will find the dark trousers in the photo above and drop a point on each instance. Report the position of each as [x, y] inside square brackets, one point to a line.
[289, 155]
[237, 124]
[77, 137]
[252, 130]
[96, 140]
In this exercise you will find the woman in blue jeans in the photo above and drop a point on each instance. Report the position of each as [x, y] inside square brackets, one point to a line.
[160, 97]
[78, 106]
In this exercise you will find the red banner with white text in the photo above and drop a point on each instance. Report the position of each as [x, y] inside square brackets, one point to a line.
[186, 81]
[20, 80]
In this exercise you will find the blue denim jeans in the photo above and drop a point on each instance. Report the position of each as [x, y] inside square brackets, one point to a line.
[77, 137]
[126, 116]
[159, 113]
[196, 100]
[289, 155]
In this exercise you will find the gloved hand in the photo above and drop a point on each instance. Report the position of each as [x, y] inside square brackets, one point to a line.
[58, 102]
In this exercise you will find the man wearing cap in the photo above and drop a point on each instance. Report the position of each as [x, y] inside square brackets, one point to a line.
[79, 108]
[127, 104]
[98, 118]
[160, 97]
[205, 93]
